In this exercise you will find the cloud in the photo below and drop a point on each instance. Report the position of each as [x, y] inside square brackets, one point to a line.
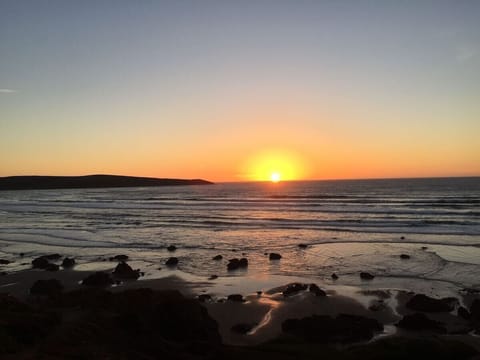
[8, 91]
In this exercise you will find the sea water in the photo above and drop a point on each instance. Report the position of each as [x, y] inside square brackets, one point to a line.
[348, 226]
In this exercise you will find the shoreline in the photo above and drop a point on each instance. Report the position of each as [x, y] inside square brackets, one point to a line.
[262, 315]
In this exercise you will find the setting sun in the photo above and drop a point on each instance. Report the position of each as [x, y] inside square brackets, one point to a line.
[275, 177]
[275, 166]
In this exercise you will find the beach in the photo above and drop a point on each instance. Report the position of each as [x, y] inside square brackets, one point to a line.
[242, 258]
[243, 320]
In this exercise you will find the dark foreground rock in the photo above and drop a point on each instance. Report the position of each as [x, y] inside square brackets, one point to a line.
[235, 297]
[99, 278]
[404, 256]
[4, 262]
[217, 257]
[134, 324]
[420, 322]
[40, 263]
[325, 329]
[68, 263]
[171, 248]
[313, 288]
[234, 264]
[366, 276]
[173, 261]
[421, 302]
[242, 328]
[294, 288]
[119, 258]
[46, 287]
[124, 271]
[274, 256]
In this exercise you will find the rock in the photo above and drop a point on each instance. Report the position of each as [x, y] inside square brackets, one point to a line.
[366, 276]
[46, 287]
[204, 297]
[475, 310]
[172, 248]
[421, 302]
[124, 271]
[294, 288]
[22, 254]
[68, 262]
[404, 256]
[316, 290]
[463, 313]
[424, 247]
[52, 267]
[119, 258]
[334, 276]
[213, 277]
[173, 261]
[259, 293]
[4, 262]
[98, 279]
[302, 246]
[3, 273]
[325, 329]
[242, 328]
[234, 264]
[40, 263]
[235, 297]
[402, 237]
[274, 256]
[419, 322]
[377, 305]
[217, 257]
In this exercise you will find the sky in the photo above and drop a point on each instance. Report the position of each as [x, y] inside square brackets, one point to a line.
[240, 90]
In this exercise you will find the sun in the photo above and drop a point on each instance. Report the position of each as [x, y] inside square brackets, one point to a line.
[275, 177]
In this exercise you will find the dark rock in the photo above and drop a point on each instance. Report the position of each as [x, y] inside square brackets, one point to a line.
[366, 276]
[463, 313]
[173, 261]
[46, 287]
[259, 293]
[52, 267]
[124, 271]
[172, 248]
[475, 310]
[40, 263]
[204, 297]
[22, 254]
[424, 247]
[294, 288]
[119, 258]
[419, 322]
[242, 328]
[213, 277]
[325, 329]
[217, 257]
[302, 246]
[316, 290]
[334, 276]
[235, 297]
[4, 262]
[404, 256]
[98, 279]
[421, 302]
[402, 237]
[68, 262]
[235, 264]
[274, 256]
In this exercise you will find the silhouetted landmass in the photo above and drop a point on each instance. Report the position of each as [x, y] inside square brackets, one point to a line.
[89, 181]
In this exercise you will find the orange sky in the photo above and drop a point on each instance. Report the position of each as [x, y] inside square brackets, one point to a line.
[234, 92]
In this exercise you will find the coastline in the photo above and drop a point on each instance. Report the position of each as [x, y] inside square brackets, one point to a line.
[259, 317]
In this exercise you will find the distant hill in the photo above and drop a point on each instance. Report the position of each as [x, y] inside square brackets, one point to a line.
[89, 181]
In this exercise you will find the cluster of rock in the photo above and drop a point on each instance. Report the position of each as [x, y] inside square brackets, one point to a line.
[45, 262]
[234, 264]
[295, 288]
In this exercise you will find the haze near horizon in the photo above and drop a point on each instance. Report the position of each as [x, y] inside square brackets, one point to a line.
[240, 90]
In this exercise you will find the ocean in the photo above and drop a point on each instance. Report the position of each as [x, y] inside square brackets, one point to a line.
[348, 226]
